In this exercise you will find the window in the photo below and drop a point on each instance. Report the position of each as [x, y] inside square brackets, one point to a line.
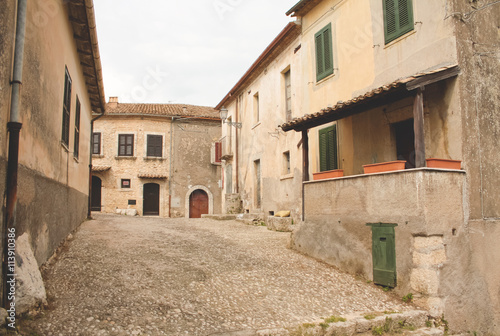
[155, 145]
[324, 54]
[256, 111]
[125, 145]
[216, 153]
[66, 109]
[328, 148]
[288, 95]
[76, 145]
[398, 18]
[125, 184]
[286, 163]
[405, 142]
[96, 143]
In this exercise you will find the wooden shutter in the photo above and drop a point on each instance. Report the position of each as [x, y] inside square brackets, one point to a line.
[155, 145]
[288, 95]
[218, 152]
[324, 53]
[96, 143]
[66, 108]
[398, 18]
[125, 145]
[76, 148]
[328, 148]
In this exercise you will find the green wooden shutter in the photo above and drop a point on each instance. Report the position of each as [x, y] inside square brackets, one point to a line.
[324, 54]
[328, 148]
[398, 18]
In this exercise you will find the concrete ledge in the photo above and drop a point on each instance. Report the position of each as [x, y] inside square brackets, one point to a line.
[280, 224]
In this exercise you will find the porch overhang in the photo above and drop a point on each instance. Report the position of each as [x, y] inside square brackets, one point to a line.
[383, 95]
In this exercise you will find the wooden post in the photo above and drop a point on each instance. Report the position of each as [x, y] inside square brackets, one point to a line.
[305, 169]
[418, 125]
[305, 156]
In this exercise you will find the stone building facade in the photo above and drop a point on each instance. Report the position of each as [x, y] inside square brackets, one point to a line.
[389, 82]
[156, 159]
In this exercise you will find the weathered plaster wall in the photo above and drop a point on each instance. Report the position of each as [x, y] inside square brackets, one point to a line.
[46, 167]
[362, 61]
[262, 140]
[477, 28]
[423, 202]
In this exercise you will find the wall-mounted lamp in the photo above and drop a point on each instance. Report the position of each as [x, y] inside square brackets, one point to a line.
[223, 116]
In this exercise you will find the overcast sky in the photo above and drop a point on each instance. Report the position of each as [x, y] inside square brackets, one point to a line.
[188, 52]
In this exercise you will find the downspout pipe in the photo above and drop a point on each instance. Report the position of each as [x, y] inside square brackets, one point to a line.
[89, 211]
[14, 127]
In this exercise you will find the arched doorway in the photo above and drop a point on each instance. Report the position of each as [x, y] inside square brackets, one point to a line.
[151, 200]
[198, 203]
[95, 204]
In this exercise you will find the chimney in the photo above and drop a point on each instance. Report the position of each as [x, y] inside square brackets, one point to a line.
[113, 102]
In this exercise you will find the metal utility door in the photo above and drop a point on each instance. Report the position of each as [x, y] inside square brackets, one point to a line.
[384, 254]
[96, 194]
[198, 204]
[151, 201]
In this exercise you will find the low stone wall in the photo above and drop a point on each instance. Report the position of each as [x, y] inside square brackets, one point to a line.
[280, 224]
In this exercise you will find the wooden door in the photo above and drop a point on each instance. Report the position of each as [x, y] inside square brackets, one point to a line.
[198, 204]
[95, 204]
[151, 201]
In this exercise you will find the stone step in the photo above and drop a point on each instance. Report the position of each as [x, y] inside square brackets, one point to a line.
[219, 217]
[407, 323]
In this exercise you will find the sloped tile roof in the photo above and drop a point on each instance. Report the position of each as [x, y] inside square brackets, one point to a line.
[100, 168]
[406, 83]
[152, 176]
[170, 110]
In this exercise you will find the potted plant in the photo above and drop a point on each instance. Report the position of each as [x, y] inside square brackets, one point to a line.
[328, 174]
[444, 163]
[384, 167]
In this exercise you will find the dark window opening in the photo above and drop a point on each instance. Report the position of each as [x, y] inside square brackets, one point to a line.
[405, 142]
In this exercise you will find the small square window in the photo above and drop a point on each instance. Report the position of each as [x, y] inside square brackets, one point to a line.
[125, 183]
[132, 202]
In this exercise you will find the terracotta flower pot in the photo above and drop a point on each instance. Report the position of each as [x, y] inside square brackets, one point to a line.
[444, 163]
[384, 167]
[328, 174]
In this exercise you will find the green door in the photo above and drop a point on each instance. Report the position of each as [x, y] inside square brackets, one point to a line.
[384, 254]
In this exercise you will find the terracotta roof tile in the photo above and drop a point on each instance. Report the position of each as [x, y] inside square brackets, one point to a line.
[153, 176]
[359, 99]
[100, 168]
[180, 110]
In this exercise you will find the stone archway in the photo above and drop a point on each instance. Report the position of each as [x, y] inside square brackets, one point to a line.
[210, 199]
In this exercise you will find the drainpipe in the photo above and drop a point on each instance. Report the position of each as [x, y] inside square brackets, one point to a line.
[89, 211]
[170, 169]
[14, 128]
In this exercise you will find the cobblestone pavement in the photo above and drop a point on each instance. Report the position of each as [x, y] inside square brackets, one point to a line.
[149, 276]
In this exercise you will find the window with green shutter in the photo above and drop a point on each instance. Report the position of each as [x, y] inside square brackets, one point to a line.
[328, 148]
[324, 54]
[398, 18]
